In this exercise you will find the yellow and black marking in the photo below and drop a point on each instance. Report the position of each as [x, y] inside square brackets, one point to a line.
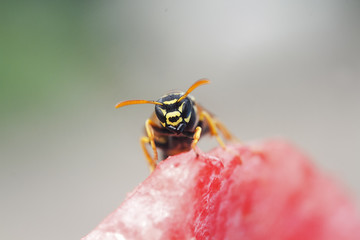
[177, 124]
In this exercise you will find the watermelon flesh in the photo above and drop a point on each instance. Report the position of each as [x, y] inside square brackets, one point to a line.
[263, 190]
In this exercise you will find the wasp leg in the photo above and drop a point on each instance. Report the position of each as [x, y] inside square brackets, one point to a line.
[212, 126]
[151, 162]
[225, 132]
[196, 138]
[149, 139]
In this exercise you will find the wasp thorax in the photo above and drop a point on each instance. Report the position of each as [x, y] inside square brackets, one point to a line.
[172, 114]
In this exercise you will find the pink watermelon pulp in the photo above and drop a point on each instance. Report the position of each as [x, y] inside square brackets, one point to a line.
[276, 193]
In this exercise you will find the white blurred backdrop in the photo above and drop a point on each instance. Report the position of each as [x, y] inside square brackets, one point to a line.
[68, 158]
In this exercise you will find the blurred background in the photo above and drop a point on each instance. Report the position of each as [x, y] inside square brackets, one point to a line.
[68, 158]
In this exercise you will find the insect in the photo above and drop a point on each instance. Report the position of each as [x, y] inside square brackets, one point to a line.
[177, 124]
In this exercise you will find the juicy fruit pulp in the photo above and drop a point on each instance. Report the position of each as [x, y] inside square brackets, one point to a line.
[276, 193]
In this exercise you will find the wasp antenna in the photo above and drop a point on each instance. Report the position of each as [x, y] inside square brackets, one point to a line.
[132, 102]
[195, 85]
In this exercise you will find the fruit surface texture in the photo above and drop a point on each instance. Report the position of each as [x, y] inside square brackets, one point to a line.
[274, 192]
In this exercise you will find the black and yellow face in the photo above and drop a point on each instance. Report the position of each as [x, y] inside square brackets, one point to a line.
[176, 111]
[173, 114]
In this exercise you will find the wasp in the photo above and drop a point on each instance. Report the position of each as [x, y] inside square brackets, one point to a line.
[177, 124]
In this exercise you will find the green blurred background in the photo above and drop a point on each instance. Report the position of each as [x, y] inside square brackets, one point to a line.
[68, 158]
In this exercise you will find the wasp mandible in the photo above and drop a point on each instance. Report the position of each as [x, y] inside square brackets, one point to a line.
[177, 124]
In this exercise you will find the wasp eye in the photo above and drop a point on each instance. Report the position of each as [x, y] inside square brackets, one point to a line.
[160, 113]
[185, 108]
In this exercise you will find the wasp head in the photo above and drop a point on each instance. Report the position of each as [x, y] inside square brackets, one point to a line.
[173, 114]
[176, 111]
